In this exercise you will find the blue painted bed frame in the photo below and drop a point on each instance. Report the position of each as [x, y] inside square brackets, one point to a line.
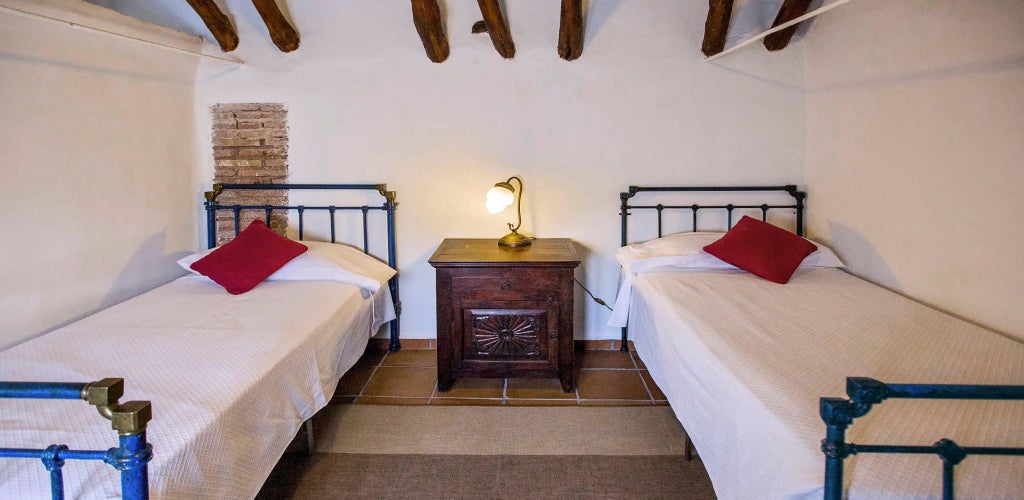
[388, 207]
[132, 454]
[864, 393]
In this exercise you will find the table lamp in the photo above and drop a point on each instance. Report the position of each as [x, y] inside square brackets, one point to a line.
[499, 198]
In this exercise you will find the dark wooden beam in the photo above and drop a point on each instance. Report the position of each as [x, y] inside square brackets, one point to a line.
[716, 27]
[790, 10]
[570, 30]
[497, 28]
[282, 32]
[218, 23]
[426, 15]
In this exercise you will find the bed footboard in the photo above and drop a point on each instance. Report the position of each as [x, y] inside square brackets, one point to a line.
[839, 414]
[132, 454]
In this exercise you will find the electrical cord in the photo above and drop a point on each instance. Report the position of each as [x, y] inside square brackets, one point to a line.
[596, 299]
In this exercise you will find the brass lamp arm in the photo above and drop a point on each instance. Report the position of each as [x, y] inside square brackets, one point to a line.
[519, 204]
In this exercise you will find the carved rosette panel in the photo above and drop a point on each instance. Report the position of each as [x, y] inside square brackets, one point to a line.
[506, 335]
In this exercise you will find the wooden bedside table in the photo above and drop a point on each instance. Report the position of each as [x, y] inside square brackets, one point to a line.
[504, 312]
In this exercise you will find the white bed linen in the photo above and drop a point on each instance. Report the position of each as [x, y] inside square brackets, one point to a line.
[744, 361]
[230, 377]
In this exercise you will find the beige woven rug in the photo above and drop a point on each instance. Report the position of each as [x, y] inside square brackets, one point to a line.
[455, 452]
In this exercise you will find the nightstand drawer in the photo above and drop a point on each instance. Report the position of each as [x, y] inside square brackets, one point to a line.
[508, 280]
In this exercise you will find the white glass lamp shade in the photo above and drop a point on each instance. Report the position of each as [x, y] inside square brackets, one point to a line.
[499, 198]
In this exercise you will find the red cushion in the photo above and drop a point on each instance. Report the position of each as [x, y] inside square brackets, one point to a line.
[762, 249]
[244, 262]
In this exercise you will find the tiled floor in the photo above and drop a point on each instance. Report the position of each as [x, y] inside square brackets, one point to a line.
[409, 377]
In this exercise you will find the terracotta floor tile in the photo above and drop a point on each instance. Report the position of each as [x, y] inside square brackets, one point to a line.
[655, 391]
[639, 362]
[474, 388]
[354, 379]
[537, 388]
[410, 381]
[613, 402]
[341, 400]
[603, 359]
[372, 400]
[465, 402]
[594, 345]
[411, 357]
[373, 355]
[540, 402]
[611, 384]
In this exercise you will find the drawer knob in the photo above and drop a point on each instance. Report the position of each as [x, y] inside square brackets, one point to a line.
[506, 285]
[553, 334]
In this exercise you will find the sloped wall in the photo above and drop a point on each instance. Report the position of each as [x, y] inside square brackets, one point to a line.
[97, 137]
[914, 128]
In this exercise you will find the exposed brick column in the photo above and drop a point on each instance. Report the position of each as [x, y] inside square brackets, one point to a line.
[250, 146]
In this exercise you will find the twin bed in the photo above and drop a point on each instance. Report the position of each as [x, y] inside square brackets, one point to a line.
[231, 378]
[743, 362]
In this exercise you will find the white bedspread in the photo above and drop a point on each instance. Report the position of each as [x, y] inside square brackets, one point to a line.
[743, 362]
[230, 377]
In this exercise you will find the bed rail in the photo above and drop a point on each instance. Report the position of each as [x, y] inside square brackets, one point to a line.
[839, 413]
[388, 206]
[625, 208]
[131, 456]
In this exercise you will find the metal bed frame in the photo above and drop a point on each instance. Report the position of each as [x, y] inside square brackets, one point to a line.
[132, 454]
[625, 207]
[388, 207]
[838, 414]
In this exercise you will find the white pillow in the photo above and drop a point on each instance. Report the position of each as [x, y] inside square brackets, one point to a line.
[683, 250]
[324, 262]
[686, 250]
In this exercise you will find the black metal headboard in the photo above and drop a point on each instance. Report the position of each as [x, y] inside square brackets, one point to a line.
[625, 207]
[388, 207]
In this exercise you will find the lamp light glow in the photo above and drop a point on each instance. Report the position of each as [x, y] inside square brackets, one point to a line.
[499, 198]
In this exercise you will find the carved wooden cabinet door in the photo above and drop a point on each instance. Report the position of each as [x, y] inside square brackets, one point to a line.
[521, 333]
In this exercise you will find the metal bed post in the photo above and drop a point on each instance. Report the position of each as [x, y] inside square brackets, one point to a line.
[389, 206]
[211, 215]
[131, 456]
[624, 215]
[836, 413]
[799, 195]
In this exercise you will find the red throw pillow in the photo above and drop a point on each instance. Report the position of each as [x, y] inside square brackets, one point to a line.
[244, 262]
[762, 249]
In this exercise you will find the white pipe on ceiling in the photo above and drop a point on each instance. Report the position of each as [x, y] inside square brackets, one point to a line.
[63, 22]
[816, 12]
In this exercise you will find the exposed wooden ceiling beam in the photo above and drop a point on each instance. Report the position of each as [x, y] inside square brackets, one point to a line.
[716, 27]
[497, 28]
[218, 23]
[282, 32]
[570, 30]
[791, 9]
[426, 15]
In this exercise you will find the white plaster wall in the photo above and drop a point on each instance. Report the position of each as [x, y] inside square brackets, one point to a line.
[914, 147]
[640, 107]
[97, 136]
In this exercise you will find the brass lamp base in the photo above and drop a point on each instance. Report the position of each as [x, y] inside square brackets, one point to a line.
[514, 240]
